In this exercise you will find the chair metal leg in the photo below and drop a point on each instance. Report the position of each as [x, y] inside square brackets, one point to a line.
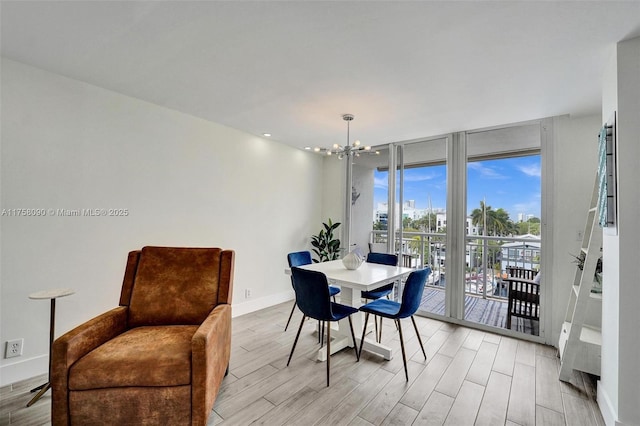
[404, 356]
[419, 339]
[295, 342]
[353, 335]
[328, 350]
[375, 321]
[364, 330]
[380, 336]
[381, 318]
[321, 334]
[293, 308]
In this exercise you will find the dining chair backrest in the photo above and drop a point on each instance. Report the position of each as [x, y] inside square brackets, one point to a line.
[383, 259]
[412, 294]
[299, 258]
[312, 293]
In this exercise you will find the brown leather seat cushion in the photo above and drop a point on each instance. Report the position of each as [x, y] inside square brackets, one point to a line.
[142, 356]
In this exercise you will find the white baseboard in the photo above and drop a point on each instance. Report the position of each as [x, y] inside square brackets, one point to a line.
[249, 306]
[606, 408]
[24, 369]
[28, 368]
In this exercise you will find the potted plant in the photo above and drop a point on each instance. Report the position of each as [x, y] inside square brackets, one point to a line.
[326, 247]
[580, 259]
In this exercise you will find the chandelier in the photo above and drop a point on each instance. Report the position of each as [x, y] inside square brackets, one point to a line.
[353, 149]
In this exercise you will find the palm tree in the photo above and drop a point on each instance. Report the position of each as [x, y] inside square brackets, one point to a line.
[482, 217]
[497, 222]
[502, 223]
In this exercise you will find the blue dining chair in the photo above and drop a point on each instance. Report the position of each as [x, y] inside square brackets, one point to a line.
[300, 258]
[385, 290]
[312, 297]
[411, 297]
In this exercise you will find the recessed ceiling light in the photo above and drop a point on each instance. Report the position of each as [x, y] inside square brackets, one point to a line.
[308, 148]
[268, 135]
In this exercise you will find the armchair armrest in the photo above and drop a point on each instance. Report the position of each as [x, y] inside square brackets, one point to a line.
[210, 353]
[72, 346]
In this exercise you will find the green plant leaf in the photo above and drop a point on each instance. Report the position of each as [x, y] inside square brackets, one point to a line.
[326, 246]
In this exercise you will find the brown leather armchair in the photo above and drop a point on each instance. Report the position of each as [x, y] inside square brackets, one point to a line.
[159, 357]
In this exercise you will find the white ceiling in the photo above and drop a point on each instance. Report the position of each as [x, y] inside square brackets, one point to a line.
[405, 69]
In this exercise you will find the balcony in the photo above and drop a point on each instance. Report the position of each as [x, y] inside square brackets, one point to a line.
[486, 298]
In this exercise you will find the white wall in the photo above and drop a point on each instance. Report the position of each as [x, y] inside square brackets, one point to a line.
[361, 211]
[619, 387]
[575, 163]
[184, 181]
[333, 194]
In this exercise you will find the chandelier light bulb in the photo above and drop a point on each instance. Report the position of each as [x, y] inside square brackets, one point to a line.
[349, 148]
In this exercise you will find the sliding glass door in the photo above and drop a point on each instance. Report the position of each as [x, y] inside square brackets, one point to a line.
[422, 225]
[503, 235]
[467, 205]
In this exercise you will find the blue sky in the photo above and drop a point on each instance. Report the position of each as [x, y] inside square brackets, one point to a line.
[510, 183]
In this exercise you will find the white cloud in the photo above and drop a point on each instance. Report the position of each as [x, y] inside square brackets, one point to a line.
[382, 183]
[532, 170]
[485, 172]
[413, 177]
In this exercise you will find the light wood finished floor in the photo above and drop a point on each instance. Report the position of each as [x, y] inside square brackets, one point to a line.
[470, 377]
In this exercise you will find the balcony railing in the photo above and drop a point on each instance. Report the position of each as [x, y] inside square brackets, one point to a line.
[420, 249]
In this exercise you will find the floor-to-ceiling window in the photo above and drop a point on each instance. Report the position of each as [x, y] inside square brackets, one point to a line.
[496, 185]
[422, 188]
[503, 231]
[503, 206]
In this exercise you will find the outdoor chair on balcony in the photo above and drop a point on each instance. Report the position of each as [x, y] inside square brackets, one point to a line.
[524, 295]
[517, 272]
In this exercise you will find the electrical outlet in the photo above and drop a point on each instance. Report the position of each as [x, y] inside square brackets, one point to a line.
[14, 348]
[247, 293]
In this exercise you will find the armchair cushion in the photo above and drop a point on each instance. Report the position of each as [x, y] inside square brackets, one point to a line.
[131, 360]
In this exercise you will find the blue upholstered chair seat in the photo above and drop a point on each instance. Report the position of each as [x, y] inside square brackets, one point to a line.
[383, 291]
[333, 290]
[341, 311]
[382, 307]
